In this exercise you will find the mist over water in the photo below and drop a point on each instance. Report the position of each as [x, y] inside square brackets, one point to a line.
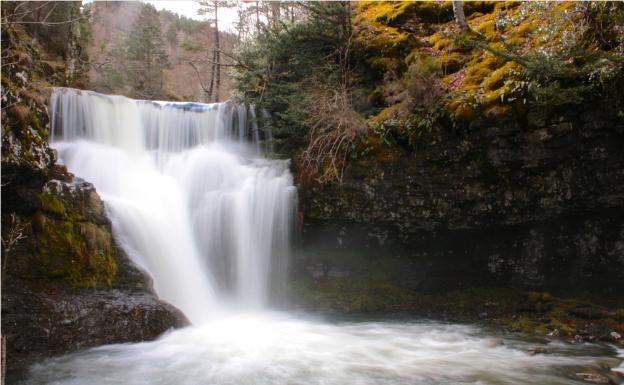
[195, 203]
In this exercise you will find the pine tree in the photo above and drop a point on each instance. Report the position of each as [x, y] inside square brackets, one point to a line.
[146, 56]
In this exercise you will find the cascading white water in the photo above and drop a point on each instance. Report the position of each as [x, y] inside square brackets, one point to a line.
[193, 202]
[190, 196]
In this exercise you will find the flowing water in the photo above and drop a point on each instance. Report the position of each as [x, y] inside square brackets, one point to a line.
[190, 196]
[195, 203]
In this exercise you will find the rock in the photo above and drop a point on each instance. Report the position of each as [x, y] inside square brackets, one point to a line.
[538, 350]
[494, 342]
[68, 286]
[615, 335]
[594, 378]
[534, 207]
[39, 324]
[588, 312]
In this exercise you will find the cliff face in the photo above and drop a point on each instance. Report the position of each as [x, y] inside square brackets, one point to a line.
[66, 284]
[536, 203]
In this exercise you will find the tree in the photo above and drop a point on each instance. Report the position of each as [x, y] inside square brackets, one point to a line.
[73, 45]
[146, 56]
[460, 17]
[303, 74]
[212, 8]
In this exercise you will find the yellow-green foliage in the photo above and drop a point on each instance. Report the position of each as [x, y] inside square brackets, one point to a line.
[451, 62]
[394, 11]
[386, 115]
[482, 82]
[383, 11]
[537, 296]
[439, 41]
[498, 77]
[383, 42]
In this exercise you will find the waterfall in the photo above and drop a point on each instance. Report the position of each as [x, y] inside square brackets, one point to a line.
[191, 198]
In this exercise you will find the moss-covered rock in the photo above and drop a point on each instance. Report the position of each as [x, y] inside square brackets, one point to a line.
[66, 285]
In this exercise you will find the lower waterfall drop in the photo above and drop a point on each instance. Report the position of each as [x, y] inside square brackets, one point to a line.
[191, 198]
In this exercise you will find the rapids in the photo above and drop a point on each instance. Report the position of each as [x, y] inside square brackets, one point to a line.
[277, 348]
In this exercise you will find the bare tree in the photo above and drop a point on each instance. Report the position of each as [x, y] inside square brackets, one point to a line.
[211, 7]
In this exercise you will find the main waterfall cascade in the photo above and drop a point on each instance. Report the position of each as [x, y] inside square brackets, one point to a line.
[190, 196]
[193, 201]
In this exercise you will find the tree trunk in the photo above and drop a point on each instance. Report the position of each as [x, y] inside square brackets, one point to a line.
[72, 46]
[3, 358]
[257, 16]
[217, 54]
[460, 17]
[275, 13]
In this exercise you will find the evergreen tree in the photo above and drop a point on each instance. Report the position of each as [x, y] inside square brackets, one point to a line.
[146, 56]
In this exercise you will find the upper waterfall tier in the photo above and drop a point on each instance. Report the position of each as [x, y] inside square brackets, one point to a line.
[165, 126]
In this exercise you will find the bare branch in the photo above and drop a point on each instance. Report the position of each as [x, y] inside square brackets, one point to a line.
[15, 232]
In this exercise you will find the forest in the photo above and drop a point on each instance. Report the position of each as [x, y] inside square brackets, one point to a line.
[312, 192]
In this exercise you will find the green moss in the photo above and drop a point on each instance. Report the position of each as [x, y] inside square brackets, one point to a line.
[36, 125]
[487, 28]
[501, 74]
[80, 254]
[464, 107]
[104, 268]
[525, 29]
[51, 204]
[451, 62]
[385, 116]
[425, 65]
[536, 296]
[394, 12]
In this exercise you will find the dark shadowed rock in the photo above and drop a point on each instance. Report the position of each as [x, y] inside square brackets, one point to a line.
[43, 323]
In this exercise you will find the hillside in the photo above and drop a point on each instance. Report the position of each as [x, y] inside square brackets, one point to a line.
[185, 41]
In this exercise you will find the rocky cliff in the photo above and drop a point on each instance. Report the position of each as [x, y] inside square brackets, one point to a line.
[534, 203]
[66, 285]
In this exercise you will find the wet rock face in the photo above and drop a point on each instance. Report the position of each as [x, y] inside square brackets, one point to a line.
[42, 323]
[66, 285]
[535, 204]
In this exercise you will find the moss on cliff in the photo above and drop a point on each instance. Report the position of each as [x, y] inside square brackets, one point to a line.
[71, 241]
[80, 254]
[533, 313]
[489, 69]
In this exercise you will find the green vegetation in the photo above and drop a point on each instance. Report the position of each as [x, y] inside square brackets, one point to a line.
[404, 71]
[78, 253]
[145, 54]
